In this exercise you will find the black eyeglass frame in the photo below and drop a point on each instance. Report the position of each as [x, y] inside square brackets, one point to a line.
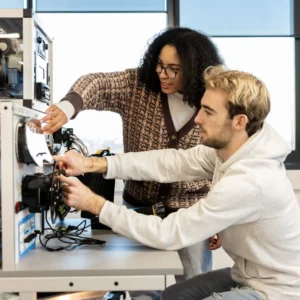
[166, 70]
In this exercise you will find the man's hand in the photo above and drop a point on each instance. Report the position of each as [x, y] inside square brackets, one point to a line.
[73, 163]
[77, 164]
[215, 242]
[76, 194]
[55, 119]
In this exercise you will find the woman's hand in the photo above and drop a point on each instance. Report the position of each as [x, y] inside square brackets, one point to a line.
[55, 119]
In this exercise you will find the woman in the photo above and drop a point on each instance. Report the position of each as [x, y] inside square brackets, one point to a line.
[158, 102]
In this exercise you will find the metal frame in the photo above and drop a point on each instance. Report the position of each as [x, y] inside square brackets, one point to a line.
[29, 34]
[173, 13]
[7, 180]
[11, 13]
[293, 160]
[28, 58]
[11, 174]
[10, 177]
[30, 23]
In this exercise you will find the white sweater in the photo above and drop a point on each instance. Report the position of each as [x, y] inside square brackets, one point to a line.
[252, 204]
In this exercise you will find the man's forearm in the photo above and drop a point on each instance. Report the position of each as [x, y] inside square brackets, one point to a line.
[96, 165]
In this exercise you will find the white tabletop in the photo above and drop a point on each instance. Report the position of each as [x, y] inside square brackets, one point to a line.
[118, 256]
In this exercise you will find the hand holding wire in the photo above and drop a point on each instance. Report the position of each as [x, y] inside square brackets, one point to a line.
[73, 163]
[77, 195]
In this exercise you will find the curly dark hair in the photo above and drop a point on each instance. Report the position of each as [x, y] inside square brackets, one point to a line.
[196, 52]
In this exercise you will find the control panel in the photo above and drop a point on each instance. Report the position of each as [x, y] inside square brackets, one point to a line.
[26, 234]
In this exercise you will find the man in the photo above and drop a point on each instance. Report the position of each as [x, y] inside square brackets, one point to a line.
[252, 203]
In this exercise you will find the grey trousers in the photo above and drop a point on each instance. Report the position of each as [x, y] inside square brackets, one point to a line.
[196, 259]
[210, 286]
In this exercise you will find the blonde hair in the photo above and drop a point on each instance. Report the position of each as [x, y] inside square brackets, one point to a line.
[246, 94]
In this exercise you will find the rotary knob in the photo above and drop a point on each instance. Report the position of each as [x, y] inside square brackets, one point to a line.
[39, 40]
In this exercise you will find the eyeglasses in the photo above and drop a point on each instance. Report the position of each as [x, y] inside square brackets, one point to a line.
[168, 71]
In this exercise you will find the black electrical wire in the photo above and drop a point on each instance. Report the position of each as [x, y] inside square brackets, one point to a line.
[71, 236]
[72, 141]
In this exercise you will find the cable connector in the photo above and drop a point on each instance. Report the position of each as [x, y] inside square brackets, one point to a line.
[30, 237]
[71, 227]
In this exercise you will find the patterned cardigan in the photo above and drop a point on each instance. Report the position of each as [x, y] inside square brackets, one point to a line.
[147, 125]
